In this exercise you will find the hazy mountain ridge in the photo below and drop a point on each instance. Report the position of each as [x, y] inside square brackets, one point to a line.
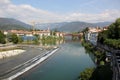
[51, 26]
[102, 24]
[79, 26]
[71, 26]
[9, 23]
[74, 26]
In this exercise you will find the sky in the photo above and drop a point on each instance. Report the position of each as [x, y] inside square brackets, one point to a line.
[51, 11]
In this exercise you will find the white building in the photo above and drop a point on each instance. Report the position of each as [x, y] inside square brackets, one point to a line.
[87, 36]
[5, 32]
[59, 34]
[43, 33]
[92, 35]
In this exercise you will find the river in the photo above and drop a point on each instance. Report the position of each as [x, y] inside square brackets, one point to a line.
[65, 64]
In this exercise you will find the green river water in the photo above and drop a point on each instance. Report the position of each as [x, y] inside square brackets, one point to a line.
[65, 64]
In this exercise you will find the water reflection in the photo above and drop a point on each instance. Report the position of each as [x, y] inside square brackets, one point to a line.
[41, 42]
[51, 43]
[28, 38]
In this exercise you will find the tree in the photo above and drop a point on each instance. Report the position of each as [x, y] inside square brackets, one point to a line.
[114, 30]
[43, 37]
[37, 36]
[86, 74]
[102, 36]
[102, 63]
[20, 40]
[51, 32]
[54, 32]
[2, 38]
[85, 30]
[14, 38]
[111, 37]
[36, 41]
[102, 72]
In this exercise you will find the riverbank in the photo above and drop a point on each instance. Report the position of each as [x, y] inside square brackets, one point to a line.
[99, 53]
[103, 70]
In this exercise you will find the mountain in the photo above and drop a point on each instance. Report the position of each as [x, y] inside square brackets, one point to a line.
[74, 26]
[102, 24]
[51, 26]
[79, 26]
[71, 26]
[9, 23]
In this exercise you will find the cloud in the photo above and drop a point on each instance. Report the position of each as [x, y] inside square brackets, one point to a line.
[27, 13]
[107, 15]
